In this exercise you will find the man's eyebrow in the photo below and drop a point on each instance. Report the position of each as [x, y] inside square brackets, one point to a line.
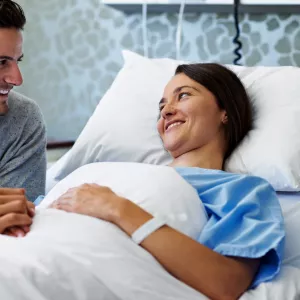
[11, 58]
[6, 57]
[177, 90]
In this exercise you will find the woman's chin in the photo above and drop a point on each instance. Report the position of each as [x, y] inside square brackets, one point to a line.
[174, 150]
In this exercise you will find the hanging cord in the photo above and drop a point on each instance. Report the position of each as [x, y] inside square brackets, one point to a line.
[179, 30]
[144, 28]
[236, 39]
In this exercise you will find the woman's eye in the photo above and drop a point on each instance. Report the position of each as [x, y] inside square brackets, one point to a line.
[161, 108]
[182, 95]
[3, 62]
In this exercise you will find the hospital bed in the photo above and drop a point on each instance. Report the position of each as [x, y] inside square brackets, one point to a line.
[68, 256]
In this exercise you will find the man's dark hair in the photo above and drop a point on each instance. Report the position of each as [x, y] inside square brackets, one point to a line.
[11, 15]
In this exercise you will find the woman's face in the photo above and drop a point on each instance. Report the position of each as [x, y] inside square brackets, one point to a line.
[189, 116]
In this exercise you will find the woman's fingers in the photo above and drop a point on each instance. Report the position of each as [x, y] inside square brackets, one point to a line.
[17, 231]
[15, 212]
[26, 228]
[8, 232]
[14, 219]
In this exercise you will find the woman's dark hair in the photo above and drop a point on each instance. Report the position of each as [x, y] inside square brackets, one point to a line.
[230, 94]
[11, 15]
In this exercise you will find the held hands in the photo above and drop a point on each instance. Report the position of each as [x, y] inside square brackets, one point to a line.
[92, 200]
[16, 212]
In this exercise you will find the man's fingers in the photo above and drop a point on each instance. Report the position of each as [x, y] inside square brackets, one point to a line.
[9, 198]
[30, 205]
[31, 212]
[16, 206]
[14, 219]
[30, 209]
[9, 191]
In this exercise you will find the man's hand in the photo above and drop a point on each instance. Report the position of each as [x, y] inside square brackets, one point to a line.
[16, 212]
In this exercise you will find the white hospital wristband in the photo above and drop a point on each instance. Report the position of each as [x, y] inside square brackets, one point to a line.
[147, 228]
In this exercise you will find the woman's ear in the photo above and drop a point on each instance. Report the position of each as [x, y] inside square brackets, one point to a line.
[224, 117]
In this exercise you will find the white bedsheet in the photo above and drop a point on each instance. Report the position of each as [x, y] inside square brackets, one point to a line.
[67, 264]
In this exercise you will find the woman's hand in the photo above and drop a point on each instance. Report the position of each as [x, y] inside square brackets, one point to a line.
[216, 276]
[16, 212]
[92, 200]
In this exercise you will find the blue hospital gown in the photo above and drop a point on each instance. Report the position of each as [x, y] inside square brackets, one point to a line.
[244, 217]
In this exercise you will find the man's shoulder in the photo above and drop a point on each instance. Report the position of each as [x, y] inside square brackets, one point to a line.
[23, 112]
[20, 104]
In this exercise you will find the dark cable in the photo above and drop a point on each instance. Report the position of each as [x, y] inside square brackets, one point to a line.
[236, 39]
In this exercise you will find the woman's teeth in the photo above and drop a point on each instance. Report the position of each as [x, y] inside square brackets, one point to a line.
[174, 124]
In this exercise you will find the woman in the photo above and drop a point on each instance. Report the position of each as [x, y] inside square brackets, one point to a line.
[204, 114]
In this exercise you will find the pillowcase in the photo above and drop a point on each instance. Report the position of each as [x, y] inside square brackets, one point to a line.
[88, 258]
[160, 190]
[123, 126]
[272, 149]
[290, 205]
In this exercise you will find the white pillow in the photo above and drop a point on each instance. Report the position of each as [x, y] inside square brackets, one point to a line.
[290, 205]
[88, 258]
[272, 149]
[160, 190]
[123, 126]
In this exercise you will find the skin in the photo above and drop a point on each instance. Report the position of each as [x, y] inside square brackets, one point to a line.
[11, 54]
[16, 212]
[197, 142]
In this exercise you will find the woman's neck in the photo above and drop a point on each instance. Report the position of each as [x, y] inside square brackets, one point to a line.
[201, 158]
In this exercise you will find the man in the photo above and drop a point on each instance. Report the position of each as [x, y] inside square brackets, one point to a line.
[22, 131]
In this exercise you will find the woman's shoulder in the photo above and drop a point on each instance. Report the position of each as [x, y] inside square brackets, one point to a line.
[196, 171]
[210, 178]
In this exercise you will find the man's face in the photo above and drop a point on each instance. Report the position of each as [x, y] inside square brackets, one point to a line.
[11, 53]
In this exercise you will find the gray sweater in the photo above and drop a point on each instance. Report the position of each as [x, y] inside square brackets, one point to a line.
[23, 147]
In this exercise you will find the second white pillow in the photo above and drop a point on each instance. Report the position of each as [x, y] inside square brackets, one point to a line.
[123, 127]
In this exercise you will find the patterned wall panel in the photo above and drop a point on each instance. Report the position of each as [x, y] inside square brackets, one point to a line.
[73, 51]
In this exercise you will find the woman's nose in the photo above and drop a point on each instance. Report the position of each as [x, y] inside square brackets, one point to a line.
[168, 110]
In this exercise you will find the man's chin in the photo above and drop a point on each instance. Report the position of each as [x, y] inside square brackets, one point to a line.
[3, 108]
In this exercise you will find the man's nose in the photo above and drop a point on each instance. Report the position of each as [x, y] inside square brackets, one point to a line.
[14, 76]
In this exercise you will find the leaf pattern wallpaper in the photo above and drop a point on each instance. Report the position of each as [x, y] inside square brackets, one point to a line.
[73, 51]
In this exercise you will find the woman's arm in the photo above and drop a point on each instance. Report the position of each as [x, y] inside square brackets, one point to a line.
[212, 274]
[216, 276]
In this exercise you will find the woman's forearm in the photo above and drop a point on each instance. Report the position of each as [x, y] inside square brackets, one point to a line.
[212, 274]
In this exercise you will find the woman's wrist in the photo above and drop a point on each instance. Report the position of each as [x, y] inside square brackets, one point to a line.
[128, 216]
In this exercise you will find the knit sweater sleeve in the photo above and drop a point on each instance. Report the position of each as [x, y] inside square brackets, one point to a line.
[23, 147]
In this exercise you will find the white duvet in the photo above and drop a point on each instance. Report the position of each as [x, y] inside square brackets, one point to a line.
[68, 256]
